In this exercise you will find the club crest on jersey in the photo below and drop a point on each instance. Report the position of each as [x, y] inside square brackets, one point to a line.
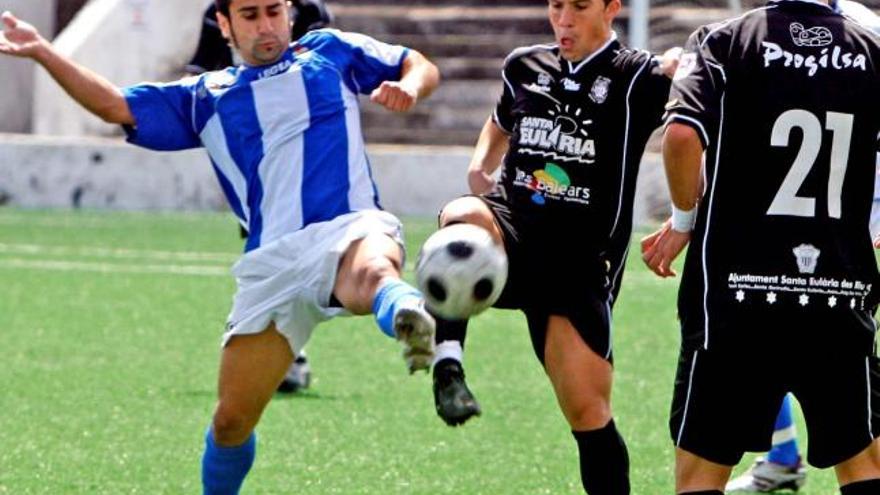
[544, 79]
[686, 65]
[814, 36]
[807, 257]
[218, 80]
[599, 91]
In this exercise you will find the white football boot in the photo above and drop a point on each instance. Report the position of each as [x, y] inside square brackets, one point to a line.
[765, 477]
[414, 328]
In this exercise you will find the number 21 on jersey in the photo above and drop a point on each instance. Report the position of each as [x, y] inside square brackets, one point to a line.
[787, 202]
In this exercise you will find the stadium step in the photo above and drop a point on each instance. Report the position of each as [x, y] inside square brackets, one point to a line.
[334, 4]
[493, 46]
[469, 39]
[421, 136]
[426, 21]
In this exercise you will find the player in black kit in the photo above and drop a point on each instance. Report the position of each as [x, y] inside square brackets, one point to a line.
[571, 127]
[780, 275]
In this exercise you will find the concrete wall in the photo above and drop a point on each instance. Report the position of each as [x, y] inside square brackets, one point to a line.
[126, 41]
[17, 75]
[106, 173]
[39, 172]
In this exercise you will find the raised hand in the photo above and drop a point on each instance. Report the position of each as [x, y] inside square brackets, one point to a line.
[19, 38]
[394, 96]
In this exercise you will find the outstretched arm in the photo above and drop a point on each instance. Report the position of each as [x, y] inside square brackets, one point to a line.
[682, 157]
[418, 79]
[488, 153]
[95, 93]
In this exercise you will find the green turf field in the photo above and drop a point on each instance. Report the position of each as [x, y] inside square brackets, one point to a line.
[109, 337]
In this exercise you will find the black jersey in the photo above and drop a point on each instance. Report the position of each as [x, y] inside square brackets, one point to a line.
[786, 100]
[577, 134]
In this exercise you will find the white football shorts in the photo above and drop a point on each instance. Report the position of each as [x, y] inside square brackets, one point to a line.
[290, 280]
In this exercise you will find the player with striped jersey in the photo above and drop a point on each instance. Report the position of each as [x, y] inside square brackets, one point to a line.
[283, 134]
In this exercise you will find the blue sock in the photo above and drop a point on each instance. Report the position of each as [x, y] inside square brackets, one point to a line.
[393, 294]
[224, 468]
[785, 449]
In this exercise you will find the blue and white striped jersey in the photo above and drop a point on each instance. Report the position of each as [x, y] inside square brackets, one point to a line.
[285, 139]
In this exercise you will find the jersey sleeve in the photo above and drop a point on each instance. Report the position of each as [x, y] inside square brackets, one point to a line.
[369, 62]
[698, 84]
[503, 114]
[653, 94]
[874, 225]
[163, 115]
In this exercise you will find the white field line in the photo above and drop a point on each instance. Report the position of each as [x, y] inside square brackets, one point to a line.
[128, 254]
[90, 221]
[113, 268]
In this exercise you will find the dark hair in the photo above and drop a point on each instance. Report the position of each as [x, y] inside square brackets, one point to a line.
[223, 6]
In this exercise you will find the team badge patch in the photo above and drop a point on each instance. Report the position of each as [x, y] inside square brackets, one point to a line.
[807, 257]
[219, 80]
[814, 36]
[686, 65]
[599, 91]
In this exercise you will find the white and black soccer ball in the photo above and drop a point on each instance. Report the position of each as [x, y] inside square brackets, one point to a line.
[461, 271]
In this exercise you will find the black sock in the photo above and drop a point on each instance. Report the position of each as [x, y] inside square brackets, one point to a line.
[704, 492]
[866, 487]
[450, 330]
[604, 461]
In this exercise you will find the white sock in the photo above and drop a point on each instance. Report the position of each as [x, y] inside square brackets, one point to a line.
[448, 349]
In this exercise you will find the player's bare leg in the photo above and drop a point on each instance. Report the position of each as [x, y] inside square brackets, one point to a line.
[582, 381]
[861, 473]
[251, 368]
[368, 281]
[695, 474]
[474, 211]
[453, 400]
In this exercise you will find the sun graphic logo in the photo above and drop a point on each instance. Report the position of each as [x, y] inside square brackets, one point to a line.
[550, 180]
[561, 136]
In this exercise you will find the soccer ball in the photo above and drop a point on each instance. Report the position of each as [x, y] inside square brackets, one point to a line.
[461, 271]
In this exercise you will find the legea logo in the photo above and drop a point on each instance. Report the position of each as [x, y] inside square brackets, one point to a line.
[276, 69]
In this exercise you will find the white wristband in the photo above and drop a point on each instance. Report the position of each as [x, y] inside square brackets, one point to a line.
[683, 220]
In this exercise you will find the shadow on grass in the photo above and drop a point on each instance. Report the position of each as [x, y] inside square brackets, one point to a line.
[304, 395]
[298, 395]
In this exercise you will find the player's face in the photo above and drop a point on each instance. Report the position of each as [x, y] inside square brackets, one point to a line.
[581, 26]
[258, 29]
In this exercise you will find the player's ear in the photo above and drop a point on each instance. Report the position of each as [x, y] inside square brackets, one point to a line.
[225, 26]
[612, 8]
